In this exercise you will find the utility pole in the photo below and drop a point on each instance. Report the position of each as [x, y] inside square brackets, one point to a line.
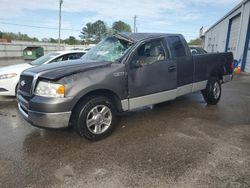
[59, 35]
[135, 23]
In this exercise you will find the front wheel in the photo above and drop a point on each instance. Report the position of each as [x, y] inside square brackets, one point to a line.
[212, 93]
[95, 118]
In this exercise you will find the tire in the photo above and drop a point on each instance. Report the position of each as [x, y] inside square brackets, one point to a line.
[212, 93]
[95, 118]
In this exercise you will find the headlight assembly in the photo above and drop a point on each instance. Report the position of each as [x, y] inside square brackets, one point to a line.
[7, 76]
[49, 89]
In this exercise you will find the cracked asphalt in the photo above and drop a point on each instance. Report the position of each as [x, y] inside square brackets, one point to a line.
[181, 143]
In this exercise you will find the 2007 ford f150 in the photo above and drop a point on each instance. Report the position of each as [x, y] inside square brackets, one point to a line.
[123, 72]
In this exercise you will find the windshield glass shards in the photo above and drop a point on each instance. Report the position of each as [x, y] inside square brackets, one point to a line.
[110, 49]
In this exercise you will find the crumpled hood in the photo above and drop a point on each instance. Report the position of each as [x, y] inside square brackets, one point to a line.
[58, 70]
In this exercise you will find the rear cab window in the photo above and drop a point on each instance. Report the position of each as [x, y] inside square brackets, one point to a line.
[178, 48]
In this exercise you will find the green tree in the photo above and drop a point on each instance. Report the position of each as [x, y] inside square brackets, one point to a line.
[35, 39]
[52, 40]
[71, 40]
[94, 31]
[100, 29]
[87, 31]
[1, 34]
[195, 42]
[18, 36]
[120, 26]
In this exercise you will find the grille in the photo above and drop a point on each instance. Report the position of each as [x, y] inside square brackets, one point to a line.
[25, 83]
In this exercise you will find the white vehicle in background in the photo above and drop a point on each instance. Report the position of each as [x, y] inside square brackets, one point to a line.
[9, 76]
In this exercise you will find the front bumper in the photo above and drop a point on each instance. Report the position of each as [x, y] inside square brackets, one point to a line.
[46, 120]
[43, 119]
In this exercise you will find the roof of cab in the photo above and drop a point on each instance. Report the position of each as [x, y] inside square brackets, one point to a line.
[136, 37]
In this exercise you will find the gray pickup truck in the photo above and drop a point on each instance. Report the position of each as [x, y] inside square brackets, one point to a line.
[121, 73]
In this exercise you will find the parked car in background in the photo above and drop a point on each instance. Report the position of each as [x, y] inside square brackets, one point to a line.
[85, 49]
[9, 76]
[197, 50]
[123, 72]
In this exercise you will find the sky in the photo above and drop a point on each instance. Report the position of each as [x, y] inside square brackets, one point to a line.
[162, 16]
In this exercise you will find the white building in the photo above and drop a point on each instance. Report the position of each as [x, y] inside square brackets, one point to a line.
[231, 34]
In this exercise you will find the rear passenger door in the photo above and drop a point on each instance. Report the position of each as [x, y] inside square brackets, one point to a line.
[184, 61]
[151, 74]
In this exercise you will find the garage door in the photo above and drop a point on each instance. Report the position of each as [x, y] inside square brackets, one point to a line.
[234, 35]
[247, 66]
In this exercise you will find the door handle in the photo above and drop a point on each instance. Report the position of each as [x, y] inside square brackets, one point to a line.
[172, 69]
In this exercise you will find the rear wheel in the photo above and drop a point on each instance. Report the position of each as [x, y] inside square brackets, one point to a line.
[212, 93]
[95, 118]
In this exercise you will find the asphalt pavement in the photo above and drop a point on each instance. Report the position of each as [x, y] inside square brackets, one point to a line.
[181, 143]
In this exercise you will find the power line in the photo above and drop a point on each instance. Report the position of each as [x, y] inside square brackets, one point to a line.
[24, 21]
[39, 27]
[66, 29]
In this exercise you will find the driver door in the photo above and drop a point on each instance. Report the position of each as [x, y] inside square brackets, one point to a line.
[152, 75]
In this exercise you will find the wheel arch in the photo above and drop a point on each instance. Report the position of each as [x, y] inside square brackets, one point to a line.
[217, 72]
[101, 92]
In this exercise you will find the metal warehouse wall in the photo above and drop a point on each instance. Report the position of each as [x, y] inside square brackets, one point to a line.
[216, 36]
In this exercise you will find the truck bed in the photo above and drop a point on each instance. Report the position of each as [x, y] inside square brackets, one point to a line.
[209, 63]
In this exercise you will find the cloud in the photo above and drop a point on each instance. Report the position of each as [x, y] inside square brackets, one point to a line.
[110, 9]
[105, 5]
[153, 15]
[213, 2]
[52, 23]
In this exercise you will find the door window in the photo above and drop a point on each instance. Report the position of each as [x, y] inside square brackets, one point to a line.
[66, 57]
[60, 58]
[75, 56]
[149, 53]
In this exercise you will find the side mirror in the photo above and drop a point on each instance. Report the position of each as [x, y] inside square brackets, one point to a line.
[139, 63]
[136, 64]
